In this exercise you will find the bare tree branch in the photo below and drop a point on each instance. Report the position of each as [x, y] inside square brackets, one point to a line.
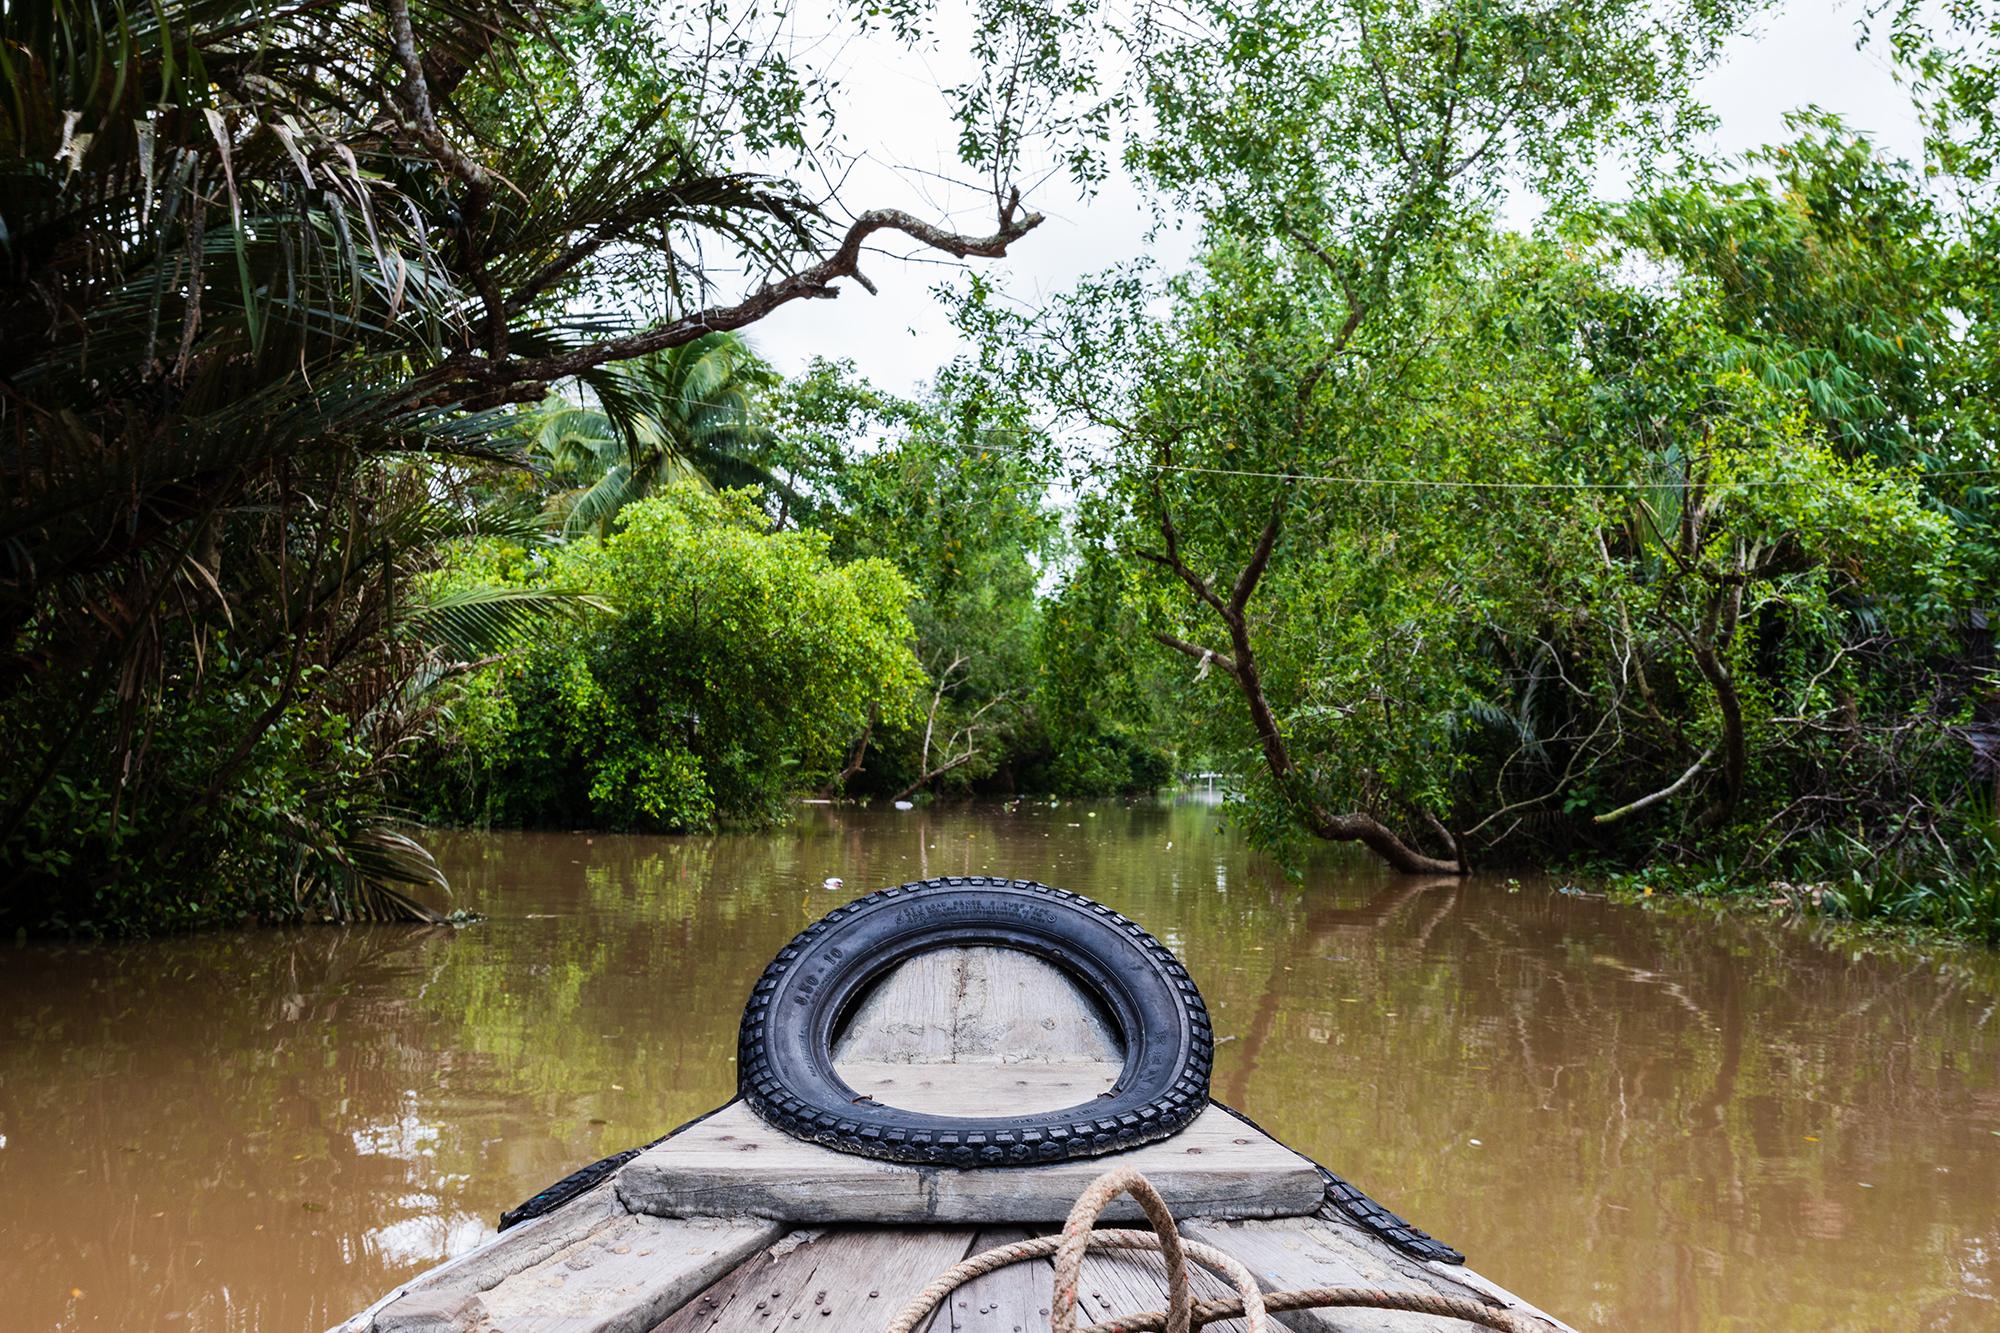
[1665, 793]
[968, 733]
[512, 381]
[838, 782]
[416, 96]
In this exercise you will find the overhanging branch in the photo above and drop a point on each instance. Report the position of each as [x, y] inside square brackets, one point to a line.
[508, 381]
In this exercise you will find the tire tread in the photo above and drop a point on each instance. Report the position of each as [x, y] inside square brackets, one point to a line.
[1045, 1137]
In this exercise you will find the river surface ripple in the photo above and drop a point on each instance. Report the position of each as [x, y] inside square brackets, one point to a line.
[1639, 1120]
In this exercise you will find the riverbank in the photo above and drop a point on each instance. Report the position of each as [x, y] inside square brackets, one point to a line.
[1890, 921]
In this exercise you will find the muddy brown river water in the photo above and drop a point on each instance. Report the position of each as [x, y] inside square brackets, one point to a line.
[1638, 1120]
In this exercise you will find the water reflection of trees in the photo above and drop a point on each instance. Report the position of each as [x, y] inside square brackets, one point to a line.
[413, 1084]
[1638, 1075]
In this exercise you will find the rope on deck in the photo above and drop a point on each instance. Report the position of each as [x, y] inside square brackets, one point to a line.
[1183, 1314]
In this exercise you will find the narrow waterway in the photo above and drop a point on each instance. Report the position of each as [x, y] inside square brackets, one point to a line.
[1641, 1121]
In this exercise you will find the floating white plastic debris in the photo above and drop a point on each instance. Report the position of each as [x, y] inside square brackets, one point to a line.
[833, 882]
[906, 805]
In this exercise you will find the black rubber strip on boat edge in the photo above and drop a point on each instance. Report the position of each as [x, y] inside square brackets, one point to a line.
[576, 1182]
[1363, 1211]
[823, 977]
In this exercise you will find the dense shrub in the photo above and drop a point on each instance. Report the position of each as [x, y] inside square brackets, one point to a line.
[731, 670]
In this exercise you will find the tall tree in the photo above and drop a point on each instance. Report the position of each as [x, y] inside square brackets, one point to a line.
[1343, 159]
[952, 488]
[269, 271]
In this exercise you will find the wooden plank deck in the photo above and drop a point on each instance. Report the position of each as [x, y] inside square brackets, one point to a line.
[733, 1227]
[977, 1006]
[733, 1164]
[1014, 1299]
[852, 1280]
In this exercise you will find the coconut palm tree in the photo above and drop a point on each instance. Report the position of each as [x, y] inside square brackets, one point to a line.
[689, 411]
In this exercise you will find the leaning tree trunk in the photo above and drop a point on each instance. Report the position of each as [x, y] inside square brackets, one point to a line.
[837, 784]
[1240, 664]
[1711, 645]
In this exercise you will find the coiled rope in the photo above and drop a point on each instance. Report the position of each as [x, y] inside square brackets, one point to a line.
[1183, 1314]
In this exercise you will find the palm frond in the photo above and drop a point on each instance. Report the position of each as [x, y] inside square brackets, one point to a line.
[685, 412]
[379, 861]
[592, 508]
[474, 622]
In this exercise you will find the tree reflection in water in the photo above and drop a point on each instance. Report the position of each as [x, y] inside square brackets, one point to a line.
[1683, 1121]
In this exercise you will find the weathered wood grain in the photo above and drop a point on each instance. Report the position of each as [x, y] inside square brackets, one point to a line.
[1285, 1256]
[976, 1090]
[1123, 1282]
[848, 1281]
[733, 1164]
[431, 1312]
[1458, 1280]
[1295, 1253]
[978, 1006]
[487, 1266]
[1014, 1299]
[623, 1278]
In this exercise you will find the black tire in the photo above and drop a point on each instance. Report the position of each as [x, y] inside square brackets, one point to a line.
[784, 1049]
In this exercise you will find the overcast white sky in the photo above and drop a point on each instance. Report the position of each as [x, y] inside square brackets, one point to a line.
[1801, 53]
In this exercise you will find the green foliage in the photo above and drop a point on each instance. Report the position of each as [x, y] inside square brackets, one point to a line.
[228, 762]
[1474, 546]
[260, 855]
[1954, 72]
[1827, 273]
[1863, 881]
[1535, 563]
[1108, 716]
[735, 670]
[1840, 281]
[271, 275]
[686, 412]
[952, 489]
[1376, 134]
[1662, 535]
